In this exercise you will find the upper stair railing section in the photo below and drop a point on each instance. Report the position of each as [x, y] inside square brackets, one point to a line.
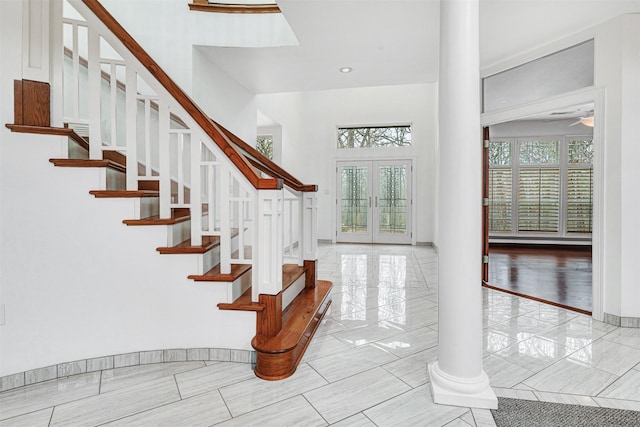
[125, 102]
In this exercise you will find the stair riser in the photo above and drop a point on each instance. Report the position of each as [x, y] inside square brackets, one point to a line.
[292, 291]
[76, 151]
[116, 180]
[208, 260]
[238, 287]
[179, 232]
[148, 207]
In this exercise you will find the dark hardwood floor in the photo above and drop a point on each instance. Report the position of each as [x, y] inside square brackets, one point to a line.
[560, 275]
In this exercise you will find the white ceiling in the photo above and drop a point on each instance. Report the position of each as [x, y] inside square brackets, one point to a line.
[390, 42]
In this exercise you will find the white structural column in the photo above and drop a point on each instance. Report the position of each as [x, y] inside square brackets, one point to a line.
[457, 377]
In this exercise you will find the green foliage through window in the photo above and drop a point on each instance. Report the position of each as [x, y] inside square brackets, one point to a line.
[500, 153]
[264, 144]
[367, 137]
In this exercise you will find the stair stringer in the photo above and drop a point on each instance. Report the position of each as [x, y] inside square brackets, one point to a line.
[77, 283]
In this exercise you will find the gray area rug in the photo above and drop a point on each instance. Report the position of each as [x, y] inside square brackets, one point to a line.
[529, 413]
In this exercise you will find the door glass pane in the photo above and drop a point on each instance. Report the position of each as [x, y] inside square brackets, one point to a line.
[355, 199]
[392, 199]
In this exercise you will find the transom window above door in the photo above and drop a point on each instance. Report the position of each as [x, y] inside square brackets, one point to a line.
[374, 136]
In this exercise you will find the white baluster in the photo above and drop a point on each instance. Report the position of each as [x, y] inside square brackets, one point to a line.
[164, 160]
[75, 80]
[113, 106]
[180, 177]
[132, 128]
[300, 228]
[147, 136]
[57, 64]
[196, 192]
[211, 203]
[95, 89]
[309, 226]
[225, 223]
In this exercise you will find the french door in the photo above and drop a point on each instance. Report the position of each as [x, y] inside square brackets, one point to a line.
[374, 201]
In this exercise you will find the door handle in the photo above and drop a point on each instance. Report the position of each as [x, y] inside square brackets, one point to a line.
[376, 201]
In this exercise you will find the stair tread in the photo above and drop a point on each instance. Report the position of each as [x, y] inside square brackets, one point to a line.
[124, 193]
[208, 242]
[295, 320]
[156, 220]
[214, 274]
[89, 163]
[44, 130]
[242, 303]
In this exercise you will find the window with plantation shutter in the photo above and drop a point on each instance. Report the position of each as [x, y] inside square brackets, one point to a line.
[580, 186]
[500, 195]
[579, 200]
[539, 200]
[541, 187]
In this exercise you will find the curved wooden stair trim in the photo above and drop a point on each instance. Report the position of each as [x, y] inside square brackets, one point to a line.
[88, 163]
[214, 274]
[243, 303]
[278, 356]
[129, 194]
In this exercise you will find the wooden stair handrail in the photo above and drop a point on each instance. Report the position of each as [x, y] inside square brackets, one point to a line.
[207, 125]
[266, 165]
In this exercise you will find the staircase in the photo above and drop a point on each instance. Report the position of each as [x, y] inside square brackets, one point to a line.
[250, 226]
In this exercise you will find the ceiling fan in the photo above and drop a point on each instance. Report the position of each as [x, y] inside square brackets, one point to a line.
[587, 120]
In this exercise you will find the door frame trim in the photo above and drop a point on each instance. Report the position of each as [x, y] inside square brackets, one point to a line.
[597, 96]
[334, 190]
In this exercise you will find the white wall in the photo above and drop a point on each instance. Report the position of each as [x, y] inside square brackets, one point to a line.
[618, 70]
[223, 98]
[309, 137]
[10, 47]
[78, 283]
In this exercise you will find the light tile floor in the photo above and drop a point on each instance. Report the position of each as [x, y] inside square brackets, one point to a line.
[367, 365]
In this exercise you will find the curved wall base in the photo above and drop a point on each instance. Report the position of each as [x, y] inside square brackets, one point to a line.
[77, 367]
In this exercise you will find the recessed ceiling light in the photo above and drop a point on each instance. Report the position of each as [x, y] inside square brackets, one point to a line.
[346, 69]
